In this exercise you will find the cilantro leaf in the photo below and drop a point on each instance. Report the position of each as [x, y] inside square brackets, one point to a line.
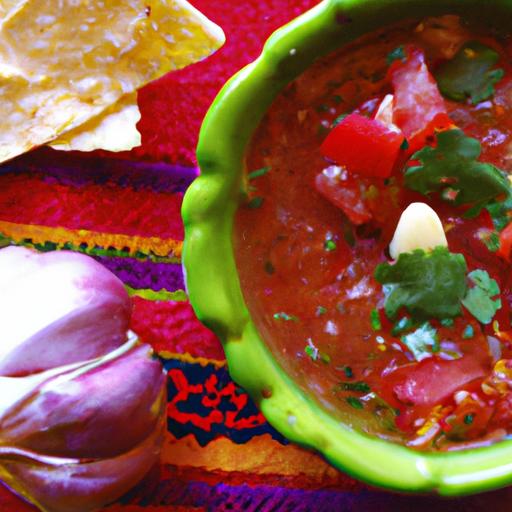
[354, 402]
[479, 299]
[255, 202]
[375, 320]
[338, 120]
[359, 386]
[422, 342]
[501, 212]
[320, 310]
[347, 370]
[428, 285]
[470, 73]
[468, 332]
[452, 169]
[404, 324]
[491, 241]
[312, 351]
[285, 316]
[330, 245]
[396, 54]
[468, 418]
[258, 172]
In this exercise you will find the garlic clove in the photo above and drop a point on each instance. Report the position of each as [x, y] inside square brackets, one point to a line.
[57, 308]
[99, 410]
[61, 485]
[419, 227]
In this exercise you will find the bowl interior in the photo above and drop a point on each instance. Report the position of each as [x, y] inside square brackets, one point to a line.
[284, 395]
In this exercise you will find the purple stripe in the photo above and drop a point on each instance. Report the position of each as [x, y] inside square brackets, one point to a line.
[266, 498]
[79, 169]
[145, 274]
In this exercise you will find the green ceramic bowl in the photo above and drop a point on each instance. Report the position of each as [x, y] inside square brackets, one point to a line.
[213, 285]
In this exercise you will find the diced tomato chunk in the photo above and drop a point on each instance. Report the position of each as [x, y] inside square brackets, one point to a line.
[433, 380]
[417, 100]
[344, 194]
[439, 123]
[365, 147]
[506, 243]
[417, 387]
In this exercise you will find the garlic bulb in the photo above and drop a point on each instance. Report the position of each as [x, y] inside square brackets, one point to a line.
[82, 405]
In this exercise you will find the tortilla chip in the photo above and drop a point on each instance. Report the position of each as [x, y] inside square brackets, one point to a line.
[113, 130]
[8, 5]
[65, 62]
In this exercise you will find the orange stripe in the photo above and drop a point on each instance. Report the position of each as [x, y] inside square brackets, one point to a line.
[60, 236]
[260, 456]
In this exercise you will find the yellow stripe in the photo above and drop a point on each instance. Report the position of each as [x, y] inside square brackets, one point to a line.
[162, 295]
[187, 358]
[60, 236]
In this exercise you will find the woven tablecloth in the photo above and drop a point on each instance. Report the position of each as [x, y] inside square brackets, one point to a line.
[124, 210]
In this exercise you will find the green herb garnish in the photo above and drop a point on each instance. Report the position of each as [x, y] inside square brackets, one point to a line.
[258, 172]
[404, 324]
[347, 370]
[422, 342]
[501, 212]
[255, 202]
[451, 168]
[375, 320]
[354, 402]
[428, 285]
[468, 332]
[447, 322]
[396, 54]
[269, 268]
[285, 316]
[320, 310]
[470, 73]
[359, 386]
[468, 418]
[312, 351]
[479, 299]
[330, 245]
[325, 358]
[492, 241]
[338, 120]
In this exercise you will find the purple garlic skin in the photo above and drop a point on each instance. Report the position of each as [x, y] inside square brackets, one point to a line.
[64, 297]
[82, 404]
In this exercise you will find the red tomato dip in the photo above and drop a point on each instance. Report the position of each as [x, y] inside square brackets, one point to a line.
[331, 168]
